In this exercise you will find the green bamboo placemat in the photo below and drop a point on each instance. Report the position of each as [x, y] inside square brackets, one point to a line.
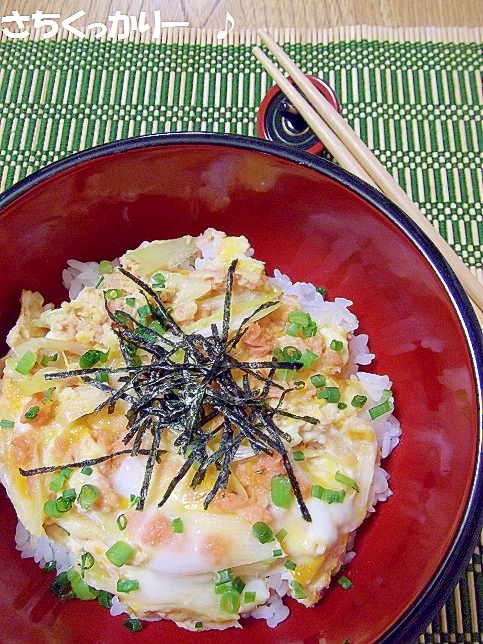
[415, 96]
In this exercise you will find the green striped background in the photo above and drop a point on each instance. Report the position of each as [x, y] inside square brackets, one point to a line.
[418, 105]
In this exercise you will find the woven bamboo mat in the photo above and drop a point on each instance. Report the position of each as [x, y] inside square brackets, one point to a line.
[414, 95]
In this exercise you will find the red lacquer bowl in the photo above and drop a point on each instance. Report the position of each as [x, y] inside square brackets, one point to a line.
[316, 223]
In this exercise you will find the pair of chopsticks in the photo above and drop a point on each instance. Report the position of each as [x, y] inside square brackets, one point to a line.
[353, 155]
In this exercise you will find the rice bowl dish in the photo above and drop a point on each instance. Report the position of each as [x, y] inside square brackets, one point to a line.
[190, 439]
[412, 551]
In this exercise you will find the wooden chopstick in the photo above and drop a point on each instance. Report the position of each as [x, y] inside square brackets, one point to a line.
[353, 155]
[331, 141]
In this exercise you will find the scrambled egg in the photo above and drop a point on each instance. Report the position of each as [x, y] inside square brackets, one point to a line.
[203, 567]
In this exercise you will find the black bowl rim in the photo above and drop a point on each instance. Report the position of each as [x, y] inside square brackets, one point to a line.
[426, 605]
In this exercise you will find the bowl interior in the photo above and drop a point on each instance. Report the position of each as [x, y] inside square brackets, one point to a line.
[315, 228]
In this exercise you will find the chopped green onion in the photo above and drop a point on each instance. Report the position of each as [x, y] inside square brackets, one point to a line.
[298, 456]
[64, 502]
[144, 312]
[79, 587]
[141, 331]
[119, 553]
[281, 491]
[69, 494]
[198, 625]
[105, 599]
[130, 301]
[50, 566]
[127, 585]
[293, 330]
[113, 293]
[59, 586]
[342, 405]
[298, 591]
[26, 363]
[121, 522]
[308, 358]
[157, 327]
[133, 625]
[291, 354]
[309, 330]
[105, 266]
[87, 561]
[133, 499]
[317, 491]
[346, 480]
[7, 424]
[87, 495]
[223, 576]
[249, 597]
[159, 280]
[359, 401]
[230, 602]
[32, 412]
[336, 345]
[51, 510]
[281, 534]
[177, 525]
[290, 565]
[321, 289]
[44, 361]
[301, 322]
[262, 532]
[345, 582]
[57, 507]
[92, 357]
[329, 496]
[318, 380]
[288, 354]
[102, 376]
[236, 584]
[86, 470]
[277, 553]
[99, 282]
[299, 317]
[331, 394]
[57, 482]
[381, 409]
[222, 588]
[48, 395]
[66, 472]
[133, 356]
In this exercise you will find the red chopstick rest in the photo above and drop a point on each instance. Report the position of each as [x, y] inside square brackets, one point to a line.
[279, 121]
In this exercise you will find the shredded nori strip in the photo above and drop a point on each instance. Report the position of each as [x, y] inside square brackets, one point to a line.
[187, 395]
